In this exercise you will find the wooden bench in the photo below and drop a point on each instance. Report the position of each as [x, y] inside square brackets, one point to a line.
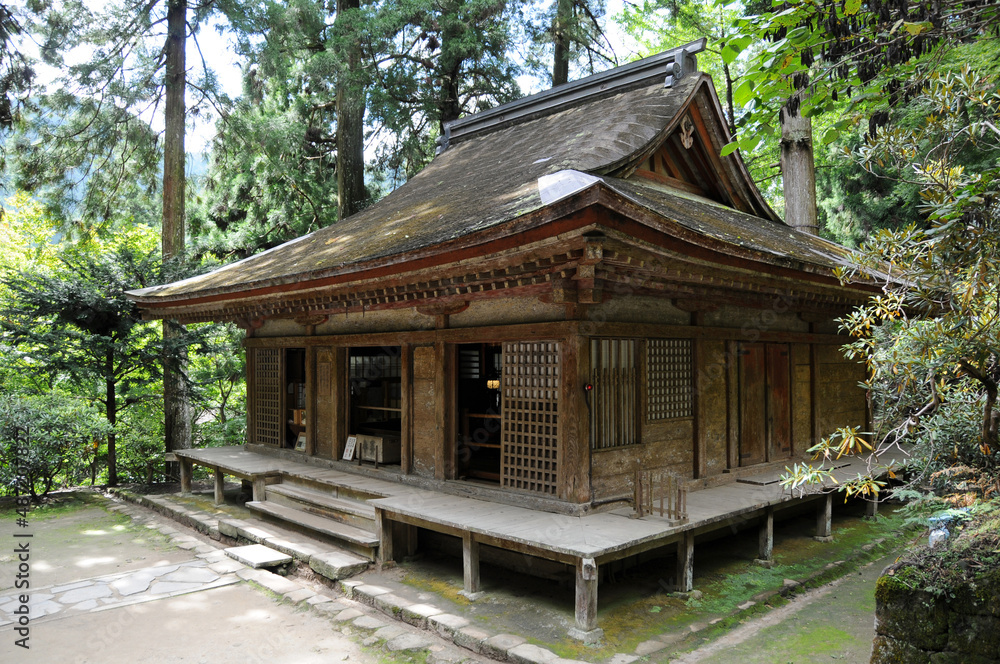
[253, 468]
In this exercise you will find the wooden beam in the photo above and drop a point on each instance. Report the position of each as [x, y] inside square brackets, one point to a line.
[685, 562]
[586, 595]
[531, 331]
[470, 563]
[871, 509]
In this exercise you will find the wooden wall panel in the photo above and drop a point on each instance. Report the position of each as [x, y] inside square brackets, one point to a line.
[424, 417]
[323, 417]
[713, 421]
[801, 399]
[779, 420]
[753, 404]
[840, 400]
[614, 470]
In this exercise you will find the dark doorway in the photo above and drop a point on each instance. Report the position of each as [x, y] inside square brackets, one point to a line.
[478, 411]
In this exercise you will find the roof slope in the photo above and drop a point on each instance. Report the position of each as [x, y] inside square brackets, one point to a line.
[490, 177]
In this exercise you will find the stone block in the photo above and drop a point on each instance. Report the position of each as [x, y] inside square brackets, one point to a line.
[471, 638]
[408, 641]
[446, 624]
[529, 653]
[369, 622]
[497, 646]
[390, 604]
[417, 614]
[258, 555]
[337, 565]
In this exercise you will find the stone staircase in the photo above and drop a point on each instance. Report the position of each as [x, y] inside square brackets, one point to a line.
[326, 510]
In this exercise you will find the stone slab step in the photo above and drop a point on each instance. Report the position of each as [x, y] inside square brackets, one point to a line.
[322, 525]
[258, 555]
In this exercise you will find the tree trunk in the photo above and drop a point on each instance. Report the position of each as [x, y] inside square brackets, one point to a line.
[561, 42]
[351, 194]
[111, 413]
[798, 172]
[176, 406]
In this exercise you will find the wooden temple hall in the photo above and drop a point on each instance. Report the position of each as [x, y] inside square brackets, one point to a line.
[576, 313]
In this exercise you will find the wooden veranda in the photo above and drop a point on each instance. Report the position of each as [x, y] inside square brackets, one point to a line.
[582, 542]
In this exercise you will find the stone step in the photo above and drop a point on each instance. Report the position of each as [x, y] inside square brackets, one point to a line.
[355, 539]
[320, 503]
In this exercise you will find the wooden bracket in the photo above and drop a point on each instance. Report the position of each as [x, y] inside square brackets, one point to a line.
[310, 321]
[443, 308]
[250, 324]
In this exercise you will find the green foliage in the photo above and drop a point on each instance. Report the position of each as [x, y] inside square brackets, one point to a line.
[218, 376]
[42, 439]
[582, 26]
[873, 54]
[72, 327]
[16, 72]
[931, 337]
[429, 63]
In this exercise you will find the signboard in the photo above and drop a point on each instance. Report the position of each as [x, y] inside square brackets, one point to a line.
[349, 448]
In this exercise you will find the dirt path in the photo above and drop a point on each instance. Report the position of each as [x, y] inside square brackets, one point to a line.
[832, 623]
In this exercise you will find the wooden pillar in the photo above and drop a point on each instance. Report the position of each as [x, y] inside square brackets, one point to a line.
[824, 518]
[871, 509]
[383, 527]
[765, 547]
[733, 403]
[574, 422]
[310, 404]
[444, 436]
[259, 488]
[186, 467]
[470, 563]
[406, 362]
[220, 487]
[814, 382]
[586, 595]
[685, 562]
[698, 387]
[339, 401]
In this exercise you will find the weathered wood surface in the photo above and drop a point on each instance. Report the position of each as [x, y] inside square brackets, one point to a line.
[604, 537]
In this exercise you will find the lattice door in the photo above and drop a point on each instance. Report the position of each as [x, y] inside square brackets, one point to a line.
[267, 396]
[530, 413]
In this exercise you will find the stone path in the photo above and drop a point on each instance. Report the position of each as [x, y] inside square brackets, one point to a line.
[115, 590]
[208, 608]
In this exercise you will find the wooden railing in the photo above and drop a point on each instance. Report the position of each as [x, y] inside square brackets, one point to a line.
[660, 492]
